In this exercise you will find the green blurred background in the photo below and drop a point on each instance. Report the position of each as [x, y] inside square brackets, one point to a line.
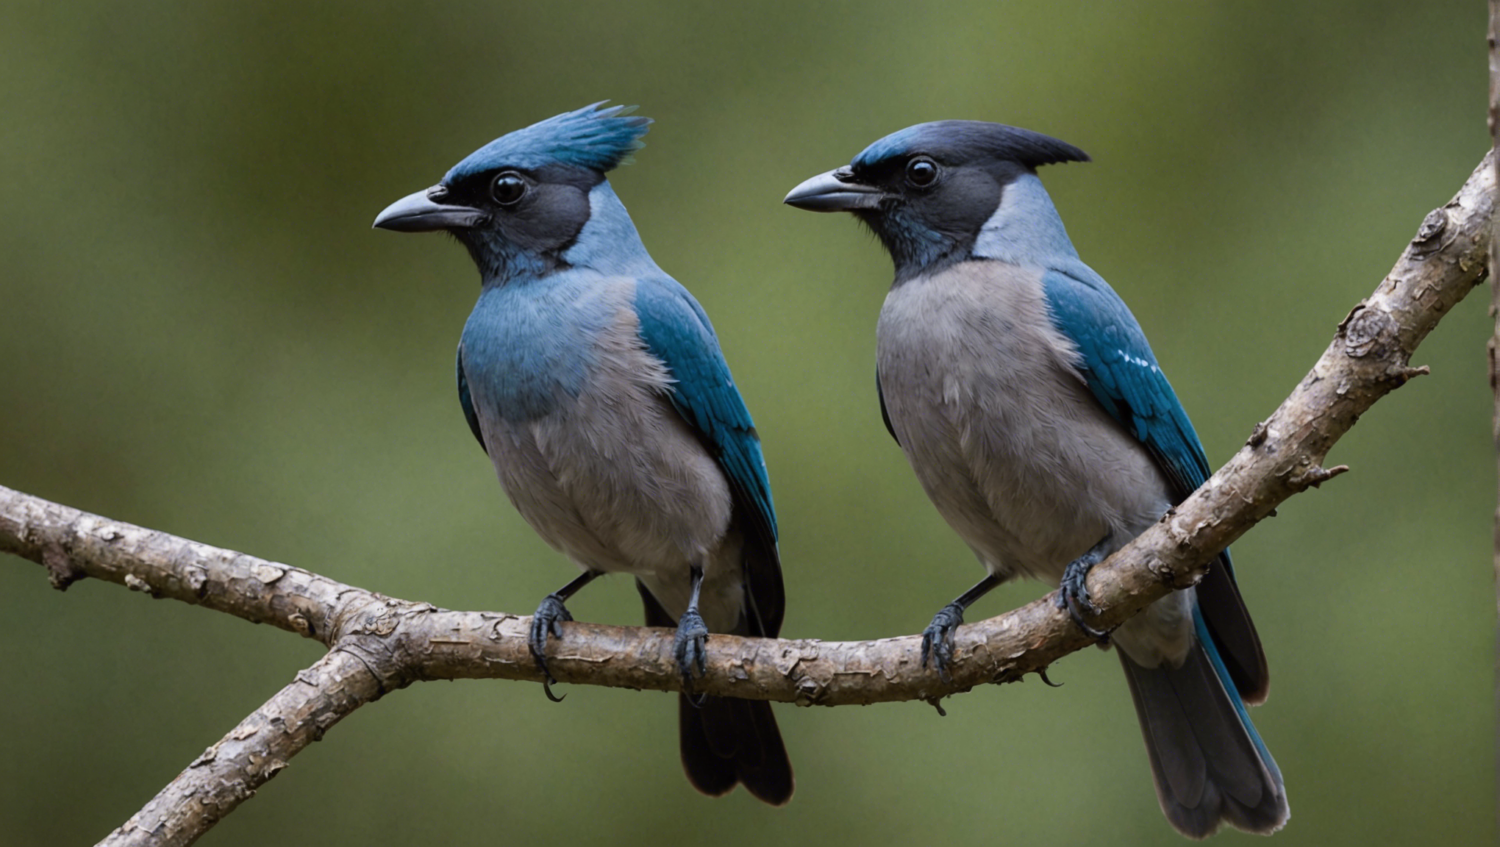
[200, 333]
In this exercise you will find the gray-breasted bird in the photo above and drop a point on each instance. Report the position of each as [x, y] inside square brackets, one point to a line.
[596, 385]
[1034, 413]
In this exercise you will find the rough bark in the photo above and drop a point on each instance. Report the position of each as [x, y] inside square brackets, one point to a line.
[380, 644]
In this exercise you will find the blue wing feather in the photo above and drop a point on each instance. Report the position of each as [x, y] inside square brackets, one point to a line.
[1121, 372]
[676, 330]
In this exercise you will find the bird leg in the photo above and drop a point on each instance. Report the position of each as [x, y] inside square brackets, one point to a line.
[937, 638]
[1073, 593]
[548, 620]
[691, 644]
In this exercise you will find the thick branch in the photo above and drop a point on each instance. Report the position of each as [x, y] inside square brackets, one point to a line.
[73, 545]
[396, 642]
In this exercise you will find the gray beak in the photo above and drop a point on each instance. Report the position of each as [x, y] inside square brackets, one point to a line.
[835, 191]
[422, 212]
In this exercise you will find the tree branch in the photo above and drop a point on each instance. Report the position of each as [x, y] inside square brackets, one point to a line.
[380, 644]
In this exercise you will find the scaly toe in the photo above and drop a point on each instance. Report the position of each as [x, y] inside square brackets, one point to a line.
[937, 639]
[690, 647]
[546, 622]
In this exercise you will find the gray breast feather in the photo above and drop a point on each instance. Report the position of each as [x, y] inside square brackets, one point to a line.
[1001, 430]
[617, 480]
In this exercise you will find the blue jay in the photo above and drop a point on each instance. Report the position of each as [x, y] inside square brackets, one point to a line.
[595, 383]
[1033, 411]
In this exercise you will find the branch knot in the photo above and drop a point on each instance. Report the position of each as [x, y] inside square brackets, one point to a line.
[62, 571]
[1369, 331]
[1429, 235]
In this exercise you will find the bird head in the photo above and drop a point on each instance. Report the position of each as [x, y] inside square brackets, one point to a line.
[928, 191]
[520, 202]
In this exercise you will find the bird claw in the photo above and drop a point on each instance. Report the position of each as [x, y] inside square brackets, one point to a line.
[1073, 596]
[690, 647]
[547, 621]
[937, 639]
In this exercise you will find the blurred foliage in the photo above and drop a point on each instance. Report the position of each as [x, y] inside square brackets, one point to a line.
[200, 333]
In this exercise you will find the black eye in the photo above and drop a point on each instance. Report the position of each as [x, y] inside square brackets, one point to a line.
[921, 172]
[508, 188]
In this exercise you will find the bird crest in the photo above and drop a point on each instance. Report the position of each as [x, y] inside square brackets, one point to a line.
[962, 141]
[596, 138]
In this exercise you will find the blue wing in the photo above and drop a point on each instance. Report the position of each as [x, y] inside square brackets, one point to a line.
[468, 404]
[676, 331]
[1122, 374]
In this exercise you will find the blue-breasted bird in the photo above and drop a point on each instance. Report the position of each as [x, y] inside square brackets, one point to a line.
[1027, 400]
[595, 383]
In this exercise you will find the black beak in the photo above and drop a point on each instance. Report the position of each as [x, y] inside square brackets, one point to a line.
[424, 212]
[835, 191]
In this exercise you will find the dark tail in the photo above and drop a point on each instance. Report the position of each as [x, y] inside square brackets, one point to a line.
[1209, 762]
[727, 741]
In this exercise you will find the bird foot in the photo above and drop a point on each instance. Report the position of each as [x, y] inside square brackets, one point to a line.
[937, 639]
[1073, 595]
[547, 621]
[690, 647]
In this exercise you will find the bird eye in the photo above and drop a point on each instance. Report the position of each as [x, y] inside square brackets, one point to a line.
[921, 172]
[508, 188]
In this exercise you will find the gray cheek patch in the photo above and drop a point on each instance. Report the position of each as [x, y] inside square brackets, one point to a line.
[609, 238]
[1025, 229]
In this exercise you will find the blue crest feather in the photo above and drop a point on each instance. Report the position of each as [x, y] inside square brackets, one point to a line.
[592, 137]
